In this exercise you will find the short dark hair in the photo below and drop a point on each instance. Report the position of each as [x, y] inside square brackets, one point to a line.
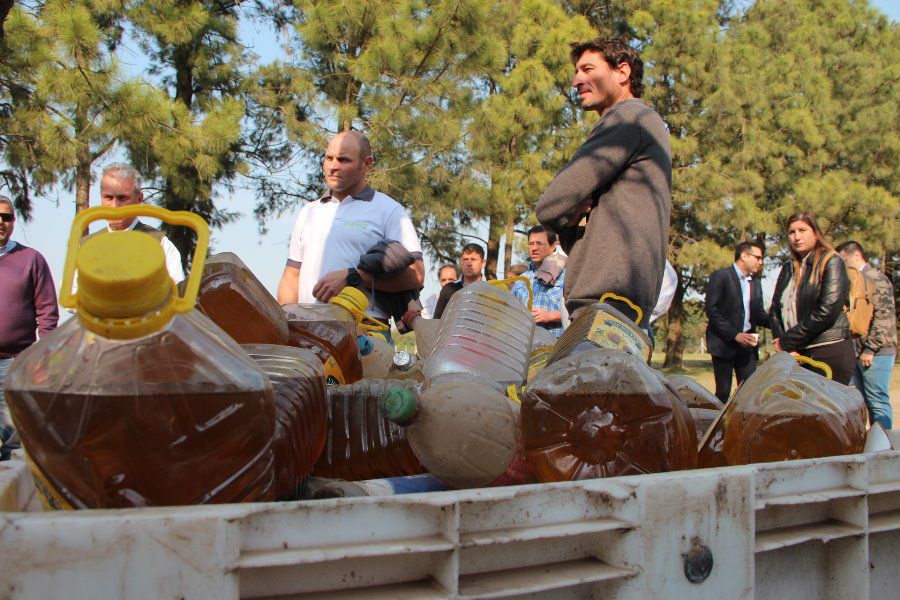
[472, 247]
[745, 247]
[615, 51]
[851, 246]
[551, 237]
[448, 266]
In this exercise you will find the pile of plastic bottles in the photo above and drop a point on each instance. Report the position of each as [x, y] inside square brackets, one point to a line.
[152, 398]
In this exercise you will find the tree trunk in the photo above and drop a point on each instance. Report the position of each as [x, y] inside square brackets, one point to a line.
[5, 7]
[675, 329]
[508, 247]
[495, 231]
[82, 164]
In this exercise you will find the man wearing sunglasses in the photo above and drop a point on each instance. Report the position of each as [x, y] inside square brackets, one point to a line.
[28, 298]
[734, 306]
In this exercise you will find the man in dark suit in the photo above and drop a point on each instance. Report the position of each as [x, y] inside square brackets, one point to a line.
[734, 306]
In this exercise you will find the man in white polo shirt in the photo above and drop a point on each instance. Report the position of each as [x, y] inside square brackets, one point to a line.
[333, 232]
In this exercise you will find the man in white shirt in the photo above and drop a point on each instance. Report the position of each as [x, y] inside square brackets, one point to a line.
[120, 185]
[334, 231]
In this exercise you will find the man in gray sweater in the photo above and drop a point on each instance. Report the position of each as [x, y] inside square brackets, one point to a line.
[611, 204]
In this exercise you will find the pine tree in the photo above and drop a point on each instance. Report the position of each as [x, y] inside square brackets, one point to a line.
[69, 103]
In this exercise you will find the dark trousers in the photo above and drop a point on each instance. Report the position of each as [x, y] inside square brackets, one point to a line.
[742, 365]
[840, 356]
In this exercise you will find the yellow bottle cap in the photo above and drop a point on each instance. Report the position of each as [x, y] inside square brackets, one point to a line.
[124, 289]
[122, 275]
[352, 299]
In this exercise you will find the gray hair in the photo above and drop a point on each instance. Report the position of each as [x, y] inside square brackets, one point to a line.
[8, 202]
[121, 170]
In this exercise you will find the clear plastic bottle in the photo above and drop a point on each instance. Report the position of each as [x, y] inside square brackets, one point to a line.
[140, 400]
[463, 430]
[602, 325]
[786, 412]
[301, 411]
[601, 413]
[235, 300]
[360, 442]
[330, 331]
[426, 331]
[485, 331]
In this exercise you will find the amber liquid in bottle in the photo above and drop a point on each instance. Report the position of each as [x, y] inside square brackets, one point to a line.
[321, 329]
[175, 438]
[234, 299]
[361, 443]
[301, 419]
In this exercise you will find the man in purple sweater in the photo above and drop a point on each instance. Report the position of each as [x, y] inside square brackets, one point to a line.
[28, 299]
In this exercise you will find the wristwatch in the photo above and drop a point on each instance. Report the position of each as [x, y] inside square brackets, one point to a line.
[353, 278]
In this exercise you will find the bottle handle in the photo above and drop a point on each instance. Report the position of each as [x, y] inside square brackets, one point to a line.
[632, 305]
[503, 283]
[826, 370]
[183, 303]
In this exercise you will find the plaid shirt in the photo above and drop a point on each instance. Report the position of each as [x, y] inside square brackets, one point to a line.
[546, 297]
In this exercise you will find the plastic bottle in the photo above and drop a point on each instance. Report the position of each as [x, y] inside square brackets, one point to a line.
[786, 412]
[603, 412]
[602, 325]
[140, 400]
[692, 393]
[486, 331]
[360, 442]
[426, 331]
[320, 489]
[463, 430]
[376, 355]
[301, 411]
[406, 366]
[330, 332]
[235, 300]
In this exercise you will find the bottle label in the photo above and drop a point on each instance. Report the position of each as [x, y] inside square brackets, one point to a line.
[538, 360]
[333, 373]
[608, 331]
[50, 498]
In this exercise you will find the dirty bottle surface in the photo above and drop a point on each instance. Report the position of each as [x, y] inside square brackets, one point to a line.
[301, 412]
[603, 326]
[377, 356]
[786, 412]
[463, 430]
[235, 300]
[602, 413]
[330, 331]
[692, 393]
[360, 442]
[484, 331]
[140, 400]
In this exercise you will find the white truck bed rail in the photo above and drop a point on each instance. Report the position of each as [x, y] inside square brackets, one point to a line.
[822, 528]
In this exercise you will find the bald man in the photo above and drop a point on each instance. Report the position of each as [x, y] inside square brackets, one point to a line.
[332, 233]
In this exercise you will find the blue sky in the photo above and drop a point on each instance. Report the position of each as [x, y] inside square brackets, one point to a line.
[264, 254]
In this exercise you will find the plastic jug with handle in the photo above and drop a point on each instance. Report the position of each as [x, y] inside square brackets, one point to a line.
[140, 400]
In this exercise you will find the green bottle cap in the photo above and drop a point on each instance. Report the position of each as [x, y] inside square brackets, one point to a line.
[398, 405]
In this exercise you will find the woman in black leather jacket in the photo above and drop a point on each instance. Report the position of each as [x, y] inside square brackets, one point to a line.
[807, 312]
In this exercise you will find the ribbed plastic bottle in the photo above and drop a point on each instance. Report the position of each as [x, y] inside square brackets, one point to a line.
[484, 331]
[330, 332]
[604, 326]
[463, 430]
[786, 412]
[235, 300]
[426, 331]
[301, 411]
[603, 412]
[140, 400]
[360, 442]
